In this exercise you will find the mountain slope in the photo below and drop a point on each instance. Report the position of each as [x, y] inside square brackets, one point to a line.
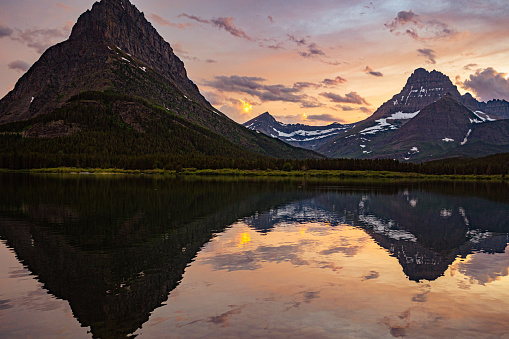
[428, 119]
[299, 135]
[114, 49]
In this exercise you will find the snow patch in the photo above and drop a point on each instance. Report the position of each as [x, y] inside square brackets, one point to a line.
[312, 139]
[445, 213]
[448, 140]
[403, 116]
[144, 69]
[32, 100]
[464, 215]
[414, 149]
[363, 146]
[308, 133]
[387, 228]
[125, 59]
[466, 137]
[483, 116]
[383, 125]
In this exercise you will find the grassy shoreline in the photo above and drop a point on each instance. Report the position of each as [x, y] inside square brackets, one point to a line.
[340, 174]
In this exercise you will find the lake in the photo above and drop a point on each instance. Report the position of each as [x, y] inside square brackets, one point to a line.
[113, 256]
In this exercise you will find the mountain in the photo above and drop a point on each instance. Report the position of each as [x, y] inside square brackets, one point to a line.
[299, 135]
[116, 69]
[428, 119]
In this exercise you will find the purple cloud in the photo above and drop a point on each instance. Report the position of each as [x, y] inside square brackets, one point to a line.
[298, 41]
[370, 71]
[222, 23]
[19, 65]
[428, 54]
[313, 50]
[349, 98]
[334, 82]
[41, 39]
[402, 19]
[5, 31]
[409, 23]
[324, 118]
[487, 84]
[163, 22]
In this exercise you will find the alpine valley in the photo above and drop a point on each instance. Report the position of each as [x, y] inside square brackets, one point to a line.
[429, 119]
[115, 95]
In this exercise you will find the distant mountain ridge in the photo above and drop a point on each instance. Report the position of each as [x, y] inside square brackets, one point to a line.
[429, 119]
[299, 135]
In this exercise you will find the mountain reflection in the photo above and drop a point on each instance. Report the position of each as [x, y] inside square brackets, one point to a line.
[115, 247]
[426, 231]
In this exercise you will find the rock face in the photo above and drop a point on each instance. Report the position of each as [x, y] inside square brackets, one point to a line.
[114, 49]
[299, 135]
[120, 23]
[422, 88]
[428, 119]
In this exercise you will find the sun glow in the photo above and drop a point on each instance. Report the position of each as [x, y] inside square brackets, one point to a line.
[246, 106]
[245, 239]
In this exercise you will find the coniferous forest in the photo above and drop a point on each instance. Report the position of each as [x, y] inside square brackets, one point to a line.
[99, 137]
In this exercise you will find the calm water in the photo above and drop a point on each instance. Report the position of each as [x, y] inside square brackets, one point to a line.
[112, 256]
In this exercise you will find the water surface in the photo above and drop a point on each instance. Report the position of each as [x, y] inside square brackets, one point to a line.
[113, 256]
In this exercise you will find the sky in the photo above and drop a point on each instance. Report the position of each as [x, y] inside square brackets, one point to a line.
[313, 62]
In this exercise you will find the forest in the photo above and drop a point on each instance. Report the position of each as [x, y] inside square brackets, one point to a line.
[155, 138]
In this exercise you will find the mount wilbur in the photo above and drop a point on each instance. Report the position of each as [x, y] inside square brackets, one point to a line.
[429, 119]
[115, 94]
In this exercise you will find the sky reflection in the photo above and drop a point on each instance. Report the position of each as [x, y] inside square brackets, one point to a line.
[327, 282]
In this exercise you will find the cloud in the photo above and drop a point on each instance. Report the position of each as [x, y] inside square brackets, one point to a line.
[324, 118]
[350, 109]
[487, 84]
[411, 24]
[298, 41]
[402, 19]
[334, 82]
[469, 67]
[178, 49]
[370, 71]
[256, 87]
[312, 103]
[41, 39]
[349, 98]
[65, 7]
[429, 54]
[214, 98]
[5, 31]
[312, 51]
[19, 65]
[234, 108]
[163, 22]
[222, 23]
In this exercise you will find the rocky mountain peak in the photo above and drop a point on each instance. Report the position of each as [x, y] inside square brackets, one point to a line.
[422, 88]
[118, 23]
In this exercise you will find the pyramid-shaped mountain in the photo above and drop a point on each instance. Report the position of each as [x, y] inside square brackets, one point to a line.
[299, 135]
[117, 78]
[429, 119]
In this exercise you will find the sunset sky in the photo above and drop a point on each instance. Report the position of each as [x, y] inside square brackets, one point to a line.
[312, 62]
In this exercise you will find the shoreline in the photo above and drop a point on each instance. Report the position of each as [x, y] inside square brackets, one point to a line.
[331, 174]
